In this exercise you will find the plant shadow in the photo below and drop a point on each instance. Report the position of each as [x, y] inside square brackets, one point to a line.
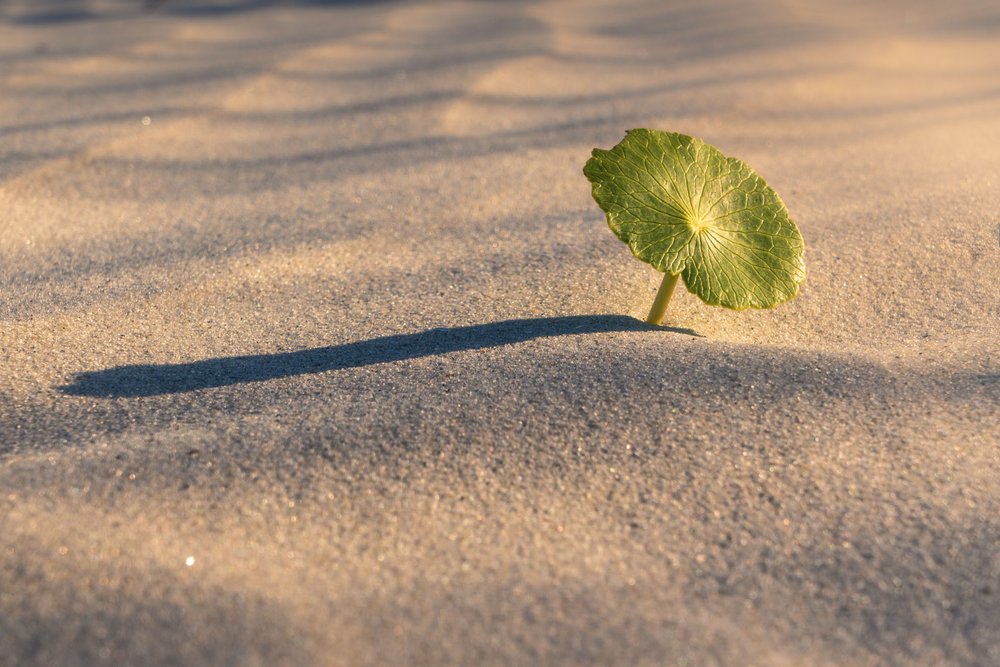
[158, 379]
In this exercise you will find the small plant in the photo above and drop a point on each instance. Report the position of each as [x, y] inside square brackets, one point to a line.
[690, 211]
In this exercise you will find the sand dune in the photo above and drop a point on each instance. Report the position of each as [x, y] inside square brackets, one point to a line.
[317, 351]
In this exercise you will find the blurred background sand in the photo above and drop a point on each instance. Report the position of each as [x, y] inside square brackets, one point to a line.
[266, 396]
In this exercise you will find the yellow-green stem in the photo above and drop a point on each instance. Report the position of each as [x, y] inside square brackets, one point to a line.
[662, 298]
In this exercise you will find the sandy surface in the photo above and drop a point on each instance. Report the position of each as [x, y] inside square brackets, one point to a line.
[316, 350]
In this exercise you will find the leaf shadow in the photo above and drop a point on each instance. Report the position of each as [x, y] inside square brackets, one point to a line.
[157, 379]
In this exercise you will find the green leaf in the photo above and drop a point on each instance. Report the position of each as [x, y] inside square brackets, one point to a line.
[684, 207]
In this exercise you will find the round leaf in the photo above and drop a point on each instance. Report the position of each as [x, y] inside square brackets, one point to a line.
[684, 207]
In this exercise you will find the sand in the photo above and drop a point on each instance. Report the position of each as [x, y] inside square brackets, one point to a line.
[316, 350]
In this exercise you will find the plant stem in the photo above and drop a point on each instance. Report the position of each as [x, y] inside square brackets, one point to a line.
[662, 298]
